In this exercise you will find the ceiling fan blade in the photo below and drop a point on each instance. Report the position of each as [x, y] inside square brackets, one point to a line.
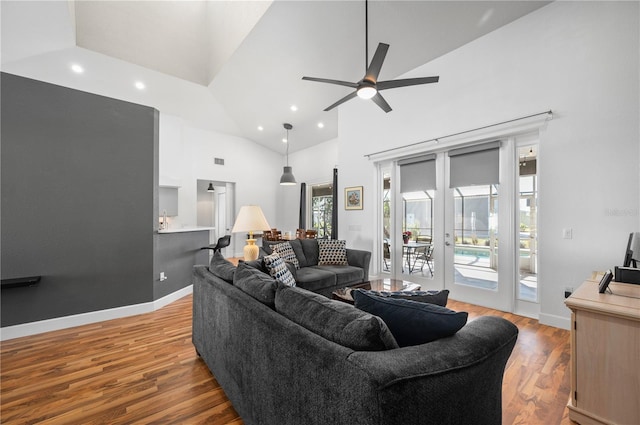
[391, 84]
[337, 82]
[341, 101]
[376, 63]
[379, 100]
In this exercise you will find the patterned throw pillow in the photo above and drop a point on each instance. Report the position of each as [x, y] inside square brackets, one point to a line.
[332, 252]
[279, 270]
[285, 251]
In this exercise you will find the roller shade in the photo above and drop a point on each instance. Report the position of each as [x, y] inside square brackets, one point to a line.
[475, 165]
[417, 173]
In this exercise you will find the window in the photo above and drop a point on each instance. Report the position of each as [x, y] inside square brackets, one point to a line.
[321, 209]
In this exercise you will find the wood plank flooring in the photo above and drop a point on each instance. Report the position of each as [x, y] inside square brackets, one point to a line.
[144, 369]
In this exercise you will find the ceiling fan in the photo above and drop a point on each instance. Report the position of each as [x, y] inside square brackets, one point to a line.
[369, 87]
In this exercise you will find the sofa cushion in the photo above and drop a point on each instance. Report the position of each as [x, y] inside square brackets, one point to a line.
[285, 251]
[256, 264]
[222, 268]
[315, 278]
[311, 251]
[345, 274]
[334, 320]
[279, 270]
[296, 244]
[432, 297]
[332, 252]
[411, 322]
[257, 284]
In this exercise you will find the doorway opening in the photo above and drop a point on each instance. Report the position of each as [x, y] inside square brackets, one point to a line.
[216, 209]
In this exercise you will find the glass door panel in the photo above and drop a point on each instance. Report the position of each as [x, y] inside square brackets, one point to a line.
[528, 228]
[417, 234]
[475, 236]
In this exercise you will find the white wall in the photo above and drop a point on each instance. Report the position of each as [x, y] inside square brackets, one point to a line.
[187, 155]
[311, 166]
[579, 59]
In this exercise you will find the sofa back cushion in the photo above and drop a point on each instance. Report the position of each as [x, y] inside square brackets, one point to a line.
[221, 268]
[311, 251]
[334, 320]
[411, 322]
[256, 283]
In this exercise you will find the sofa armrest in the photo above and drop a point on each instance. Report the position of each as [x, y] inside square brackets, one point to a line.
[360, 258]
[460, 375]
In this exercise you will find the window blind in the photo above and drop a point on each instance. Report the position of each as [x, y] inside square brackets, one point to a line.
[475, 165]
[418, 173]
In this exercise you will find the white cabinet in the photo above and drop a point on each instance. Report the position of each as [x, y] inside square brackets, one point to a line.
[605, 355]
[168, 201]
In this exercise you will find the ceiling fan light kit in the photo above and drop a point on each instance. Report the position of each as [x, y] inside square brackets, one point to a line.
[366, 90]
[369, 87]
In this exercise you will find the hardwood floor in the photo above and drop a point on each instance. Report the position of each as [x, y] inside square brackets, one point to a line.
[144, 369]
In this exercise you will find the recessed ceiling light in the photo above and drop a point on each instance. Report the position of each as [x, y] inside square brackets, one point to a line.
[284, 140]
[140, 85]
[294, 108]
[77, 68]
[320, 125]
[260, 128]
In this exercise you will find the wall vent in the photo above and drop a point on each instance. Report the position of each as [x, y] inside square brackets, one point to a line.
[218, 161]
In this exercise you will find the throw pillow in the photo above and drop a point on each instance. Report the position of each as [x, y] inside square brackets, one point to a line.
[410, 322]
[332, 252]
[334, 320]
[255, 283]
[278, 269]
[222, 268]
[432, 297]
[285, 251]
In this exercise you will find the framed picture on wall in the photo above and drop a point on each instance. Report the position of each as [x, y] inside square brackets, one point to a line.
[353, 198]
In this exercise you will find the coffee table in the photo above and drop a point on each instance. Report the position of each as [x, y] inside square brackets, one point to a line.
[386, 284]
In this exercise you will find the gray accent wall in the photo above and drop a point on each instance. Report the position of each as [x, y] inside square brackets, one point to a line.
[79, 200]
[176, 254]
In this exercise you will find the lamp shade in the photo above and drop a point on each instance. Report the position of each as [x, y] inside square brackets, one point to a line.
[287, 178]
[210, 188]
[250, 219]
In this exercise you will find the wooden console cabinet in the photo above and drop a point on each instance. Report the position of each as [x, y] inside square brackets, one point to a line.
[605, 354]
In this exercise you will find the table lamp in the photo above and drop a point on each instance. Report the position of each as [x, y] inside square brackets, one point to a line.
[250, 219]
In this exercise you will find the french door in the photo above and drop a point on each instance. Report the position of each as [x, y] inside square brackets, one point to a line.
[462, 203]
[478, 224]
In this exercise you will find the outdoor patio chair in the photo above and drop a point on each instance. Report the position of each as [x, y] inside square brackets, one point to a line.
[424, 254]
[386, 254]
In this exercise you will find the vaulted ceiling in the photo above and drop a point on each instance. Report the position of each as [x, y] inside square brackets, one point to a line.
[232, 66]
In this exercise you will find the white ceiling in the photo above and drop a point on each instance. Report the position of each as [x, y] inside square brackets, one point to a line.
[231, 66]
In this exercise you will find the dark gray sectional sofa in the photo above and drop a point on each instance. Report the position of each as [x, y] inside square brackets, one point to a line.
[324, 279]
[287, 356]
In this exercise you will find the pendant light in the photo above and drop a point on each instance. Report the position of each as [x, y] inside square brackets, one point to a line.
[287, 178]
[210, 188]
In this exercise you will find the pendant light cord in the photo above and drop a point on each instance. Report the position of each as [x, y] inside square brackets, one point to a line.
[287, 147]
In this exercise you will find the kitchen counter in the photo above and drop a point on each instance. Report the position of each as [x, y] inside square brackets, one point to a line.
[186, 229]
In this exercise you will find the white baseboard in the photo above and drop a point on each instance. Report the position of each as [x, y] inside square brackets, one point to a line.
[33, 328]
[556, 321]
